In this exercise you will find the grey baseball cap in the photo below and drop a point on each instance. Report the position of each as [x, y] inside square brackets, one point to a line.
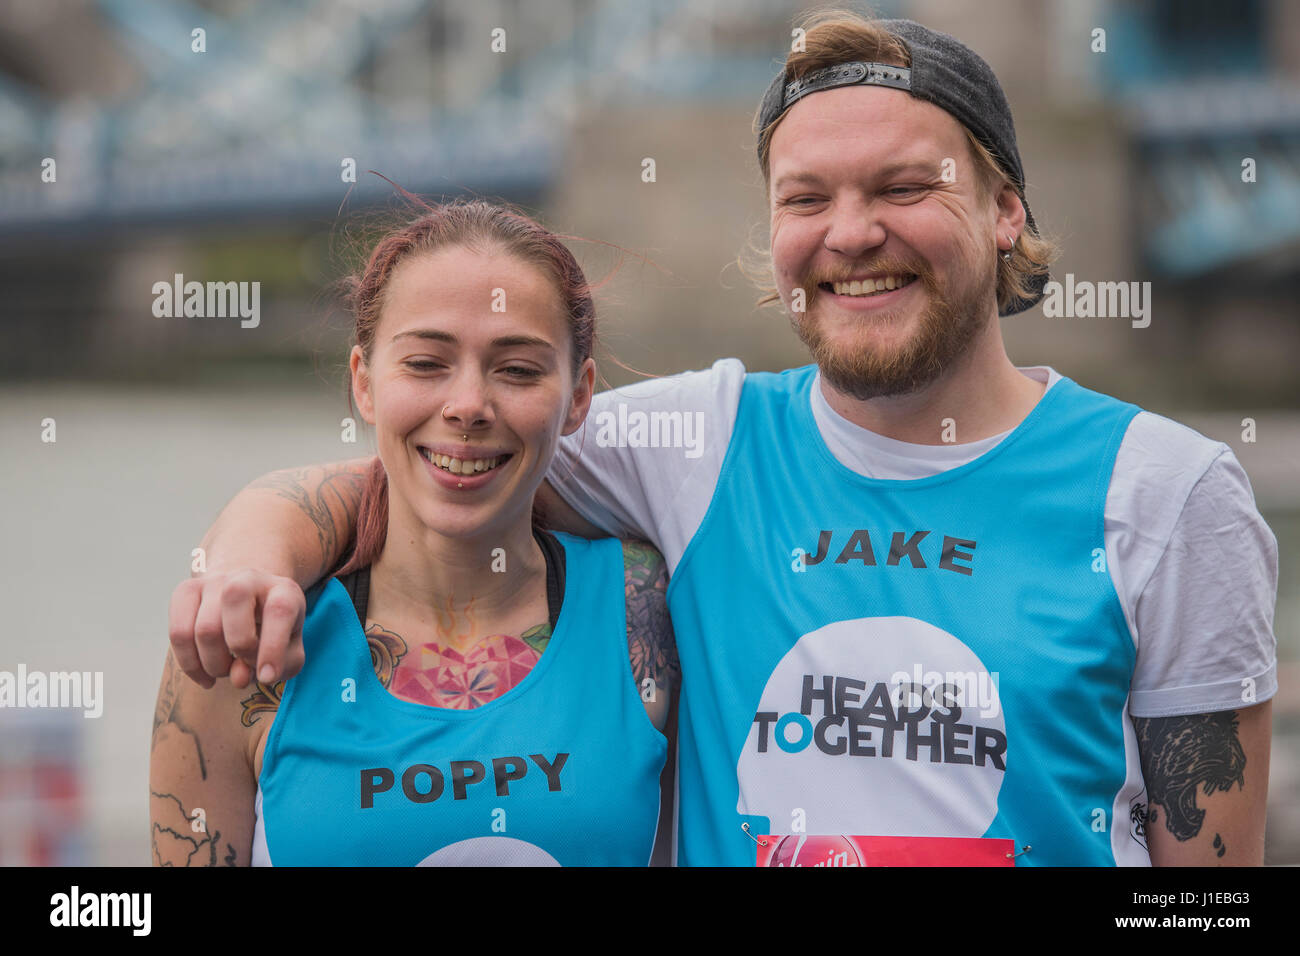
[944, 72]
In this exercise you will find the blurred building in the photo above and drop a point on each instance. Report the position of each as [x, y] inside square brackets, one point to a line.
[1135, 121]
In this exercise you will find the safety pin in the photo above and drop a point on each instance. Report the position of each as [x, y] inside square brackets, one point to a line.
[1025, 849]
[745, 826]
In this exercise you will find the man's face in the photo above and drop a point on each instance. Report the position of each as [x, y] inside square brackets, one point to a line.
[871, 183]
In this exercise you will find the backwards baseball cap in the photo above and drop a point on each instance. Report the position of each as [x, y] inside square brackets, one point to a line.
[943, 72]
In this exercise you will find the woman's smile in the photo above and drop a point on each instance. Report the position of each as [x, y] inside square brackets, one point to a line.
[463, 469]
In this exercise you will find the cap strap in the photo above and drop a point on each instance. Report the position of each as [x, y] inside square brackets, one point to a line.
[848, 74]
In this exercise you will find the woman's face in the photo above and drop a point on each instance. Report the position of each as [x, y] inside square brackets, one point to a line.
[469, 386]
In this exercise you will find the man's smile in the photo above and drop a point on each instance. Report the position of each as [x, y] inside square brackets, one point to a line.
[870, 285]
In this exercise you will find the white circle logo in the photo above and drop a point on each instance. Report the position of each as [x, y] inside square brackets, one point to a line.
[879, 726]
[490, 851]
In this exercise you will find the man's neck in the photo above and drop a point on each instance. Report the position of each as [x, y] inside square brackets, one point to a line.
[982, 394]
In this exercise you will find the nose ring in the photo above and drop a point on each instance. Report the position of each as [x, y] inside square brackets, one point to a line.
[463, 437]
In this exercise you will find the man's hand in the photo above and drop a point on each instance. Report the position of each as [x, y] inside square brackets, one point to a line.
[278, 536]
[237, 624]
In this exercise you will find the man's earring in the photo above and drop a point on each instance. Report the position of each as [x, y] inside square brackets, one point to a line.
[1006, 256]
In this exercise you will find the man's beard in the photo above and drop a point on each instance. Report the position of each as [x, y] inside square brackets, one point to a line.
[944, 334]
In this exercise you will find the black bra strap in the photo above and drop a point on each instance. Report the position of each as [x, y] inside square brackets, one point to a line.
[357, 583]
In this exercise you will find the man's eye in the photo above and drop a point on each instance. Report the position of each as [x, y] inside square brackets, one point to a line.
[903, 190]
[423, 365]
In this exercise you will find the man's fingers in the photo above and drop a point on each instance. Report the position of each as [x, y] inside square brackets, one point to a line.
[282, 617]
[241, 673]
[209, 637]
[295, 657]
[181, 613]
[238, 614]
[214, 628]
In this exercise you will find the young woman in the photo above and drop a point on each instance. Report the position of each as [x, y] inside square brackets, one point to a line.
[476, 690]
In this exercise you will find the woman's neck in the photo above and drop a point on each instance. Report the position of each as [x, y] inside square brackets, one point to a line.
[464, 587]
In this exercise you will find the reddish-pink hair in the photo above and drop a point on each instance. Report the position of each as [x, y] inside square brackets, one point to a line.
[481, 226]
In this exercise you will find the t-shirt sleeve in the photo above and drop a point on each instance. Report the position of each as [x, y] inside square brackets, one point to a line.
[646, 462]
[1205, 616]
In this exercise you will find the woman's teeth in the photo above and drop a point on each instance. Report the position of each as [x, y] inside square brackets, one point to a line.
[872, 286]
[466, 466]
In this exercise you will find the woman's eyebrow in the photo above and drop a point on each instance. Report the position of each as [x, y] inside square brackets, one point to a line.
[504, 341]
[435, 334]
[507, 341]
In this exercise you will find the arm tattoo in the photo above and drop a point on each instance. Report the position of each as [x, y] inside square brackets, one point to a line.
[1180, 754]
[265, 699]
[167, 695]
[337, 497]
[178, 842]
[650, 638]
[166, 711]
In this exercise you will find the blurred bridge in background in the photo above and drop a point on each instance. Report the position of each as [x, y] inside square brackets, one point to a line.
[259, 125]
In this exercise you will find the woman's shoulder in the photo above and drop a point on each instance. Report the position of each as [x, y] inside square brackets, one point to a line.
[644, 566]
[645, 572]
[652, 647]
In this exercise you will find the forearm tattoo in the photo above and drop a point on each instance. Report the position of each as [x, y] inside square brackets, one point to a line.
[1180, 755]
[651, 644]
[182, 838]
[330, 496]
[166, 713]
[178, 839]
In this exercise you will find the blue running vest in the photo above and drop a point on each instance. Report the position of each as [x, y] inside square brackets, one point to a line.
[561, 769]
[941, 657]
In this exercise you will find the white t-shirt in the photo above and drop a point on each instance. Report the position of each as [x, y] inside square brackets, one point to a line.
[1193, 562]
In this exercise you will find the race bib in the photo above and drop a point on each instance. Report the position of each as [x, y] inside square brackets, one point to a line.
[804, 849]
